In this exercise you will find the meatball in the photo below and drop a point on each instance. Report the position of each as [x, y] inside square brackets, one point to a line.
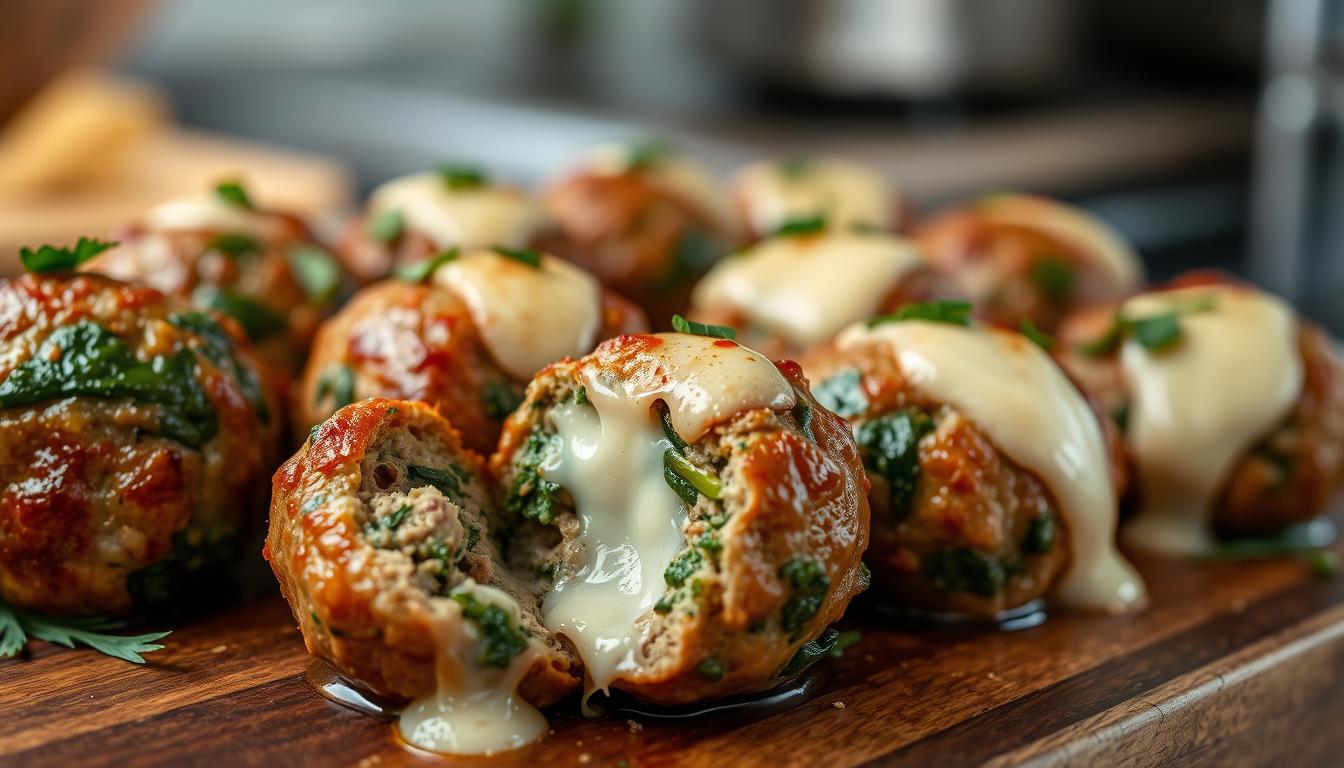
[1028, 258]
[768, 195]
[706, 477]
[645, 221]
[382, 539]
[411, 218]
[960, 429]
[135, 439]
[1254, 438]
[791, 292]
[465, 333]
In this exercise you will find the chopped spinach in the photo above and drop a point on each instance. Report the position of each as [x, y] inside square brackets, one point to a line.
[686, 563]
[1040, 536]
[843, 393]
[218, 346]
[810, 584]
[501, 399]
[316, 272]
[531, 495]
[889, 445]
[258, 320]
[811, 652]
[500, 638]
[711, 669]
[965, 570]
[448, 482]
[87, 360]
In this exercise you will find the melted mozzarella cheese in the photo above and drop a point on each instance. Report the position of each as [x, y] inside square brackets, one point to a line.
[1014, 392]
[673, 172]
[467, 218]
[529, 317]
[611, 461]
[1071, 225]
[475, 709]
[1198, 407]
[214, 214]
[771, 193]
[807, 289]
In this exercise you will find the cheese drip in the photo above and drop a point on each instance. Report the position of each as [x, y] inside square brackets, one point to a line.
[474, 709]
[771, 193]
[807, 289]
[528, 316]
[610, 460]
[468, 218]
[1233, 376]
[1014, 392]
[213, 213]
[1088, 233]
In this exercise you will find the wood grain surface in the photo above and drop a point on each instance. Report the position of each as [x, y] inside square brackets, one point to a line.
[1233, 664]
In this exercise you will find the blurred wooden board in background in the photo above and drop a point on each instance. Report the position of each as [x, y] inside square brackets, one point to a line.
[1233, 664]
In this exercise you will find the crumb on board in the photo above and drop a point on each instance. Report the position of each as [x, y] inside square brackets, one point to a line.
[585, 758]
[839, 705]
[370, 760]
[219, 649]
[634, 725]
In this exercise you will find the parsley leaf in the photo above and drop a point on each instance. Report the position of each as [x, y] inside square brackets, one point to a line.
[386, 227]
[525, 255]
[682, 325]
[950, 312]
[457, 177]
[316, 272]
[16, 626]
[49, 258]
[806, 225]
[1157, 332]
[421, 271]
[1038, 337]
[645, 155]
[233, 193]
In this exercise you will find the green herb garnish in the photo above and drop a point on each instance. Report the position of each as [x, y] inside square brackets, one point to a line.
[49, 258]
[386, 227]
[805, 225]
[1053, 278]
[421, 271]
[889, 446]
[682, 325]
[522, 255]
[233, 193]
[1155, 333]
[950, 312]
[219, 347]
[500, 639]
[87, 360]
[16, 626]
[316, 272]
[711, 669]
[1038, 337]
[811, 652]
[234, 244]
[456, 177]
[645, 155]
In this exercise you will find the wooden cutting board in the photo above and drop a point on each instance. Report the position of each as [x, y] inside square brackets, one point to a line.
[1234, 663]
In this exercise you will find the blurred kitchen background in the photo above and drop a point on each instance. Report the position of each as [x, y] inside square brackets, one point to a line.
[1207, 130]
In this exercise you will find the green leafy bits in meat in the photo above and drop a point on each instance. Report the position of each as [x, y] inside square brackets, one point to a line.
[810, 584]
[500, 640]
[501, 399]
[87, 360]
[682, 567]
[843, 393]
[531, 495]
[711, 669]
[890, 448]
[965, 570]
[1040, 536]
[338, 383]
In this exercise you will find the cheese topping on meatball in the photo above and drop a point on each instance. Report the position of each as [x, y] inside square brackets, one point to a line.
[467, 216]
[807, 289]
[770, 193]
[1232, 375]
[671, 171]
[1089, 234]
[475, 709]
[1015, 392]
[611, 462]
[215, 214]
[529, 315]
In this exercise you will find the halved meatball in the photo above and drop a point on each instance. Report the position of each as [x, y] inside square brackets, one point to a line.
[380, 532]
[645, 221]
[262, 267]
[1283, 475]
[411, 218]
[427, 341]
[1029, 258]
[748, 524]
[135, 439]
